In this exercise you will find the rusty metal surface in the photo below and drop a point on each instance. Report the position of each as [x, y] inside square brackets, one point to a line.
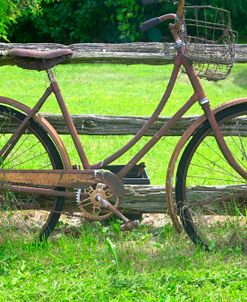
[62, 178]
[199, 93]
[68, 120]
[38, 191]
[158, 135]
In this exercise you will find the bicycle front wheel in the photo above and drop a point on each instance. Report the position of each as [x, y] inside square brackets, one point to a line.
[210, 195]
[21, 215]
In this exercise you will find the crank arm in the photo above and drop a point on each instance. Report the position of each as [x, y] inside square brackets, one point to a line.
[62, 179]
[128, 225]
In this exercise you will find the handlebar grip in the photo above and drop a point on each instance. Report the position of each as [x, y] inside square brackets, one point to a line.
[150, 23]
[147, 2]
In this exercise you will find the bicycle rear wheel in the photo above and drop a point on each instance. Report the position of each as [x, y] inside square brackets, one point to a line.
[21, 215]
[210, 195]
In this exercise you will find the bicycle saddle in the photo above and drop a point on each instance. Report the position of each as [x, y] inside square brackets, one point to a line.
[39, 59]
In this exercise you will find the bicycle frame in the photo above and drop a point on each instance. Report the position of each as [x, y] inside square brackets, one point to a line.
[54, 88]
[198, 95]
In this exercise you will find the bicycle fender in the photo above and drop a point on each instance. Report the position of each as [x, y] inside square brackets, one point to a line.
[45, 125]
[177, 151]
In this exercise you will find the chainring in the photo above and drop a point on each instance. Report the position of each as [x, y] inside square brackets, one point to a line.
[91, 209]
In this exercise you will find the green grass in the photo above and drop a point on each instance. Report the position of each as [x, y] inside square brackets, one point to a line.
[103, 264]
[96, 263]
[116, 89]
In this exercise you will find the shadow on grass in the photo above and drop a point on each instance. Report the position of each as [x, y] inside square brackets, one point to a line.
[240, 78]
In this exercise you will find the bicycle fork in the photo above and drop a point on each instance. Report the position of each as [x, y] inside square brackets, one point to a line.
[220, 139]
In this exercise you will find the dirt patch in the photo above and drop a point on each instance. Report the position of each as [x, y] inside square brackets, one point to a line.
[156, 220]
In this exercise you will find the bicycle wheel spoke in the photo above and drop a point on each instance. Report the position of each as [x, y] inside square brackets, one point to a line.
[45, 166]
[241, 141]
[27, 160]
[242, 148]
[86, 204]
[22, 153]
[212, 162]
[241, 151]
[214, 170]
[220, 156]
[14, 152]
[209, 178]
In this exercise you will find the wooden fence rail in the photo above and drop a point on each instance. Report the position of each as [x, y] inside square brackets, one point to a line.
[129, 53]
[126, 125]
[152, 199]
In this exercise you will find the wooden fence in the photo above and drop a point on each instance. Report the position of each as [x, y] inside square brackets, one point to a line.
[126, 125]
[129, 53]
[139, 198]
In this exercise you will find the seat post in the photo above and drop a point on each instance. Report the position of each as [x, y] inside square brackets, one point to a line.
[68, 119]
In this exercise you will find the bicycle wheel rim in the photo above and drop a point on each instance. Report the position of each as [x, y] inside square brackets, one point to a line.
[35, 150]
[211, 220]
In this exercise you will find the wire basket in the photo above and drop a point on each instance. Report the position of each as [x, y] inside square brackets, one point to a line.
[210, 41]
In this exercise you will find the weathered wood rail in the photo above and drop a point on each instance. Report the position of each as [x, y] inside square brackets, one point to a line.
[152, 199]
[126, 125]
[129, 53]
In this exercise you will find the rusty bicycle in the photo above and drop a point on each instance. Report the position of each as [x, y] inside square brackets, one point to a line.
[210, 156]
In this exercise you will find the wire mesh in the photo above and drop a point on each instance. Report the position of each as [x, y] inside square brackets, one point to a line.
[210, 41]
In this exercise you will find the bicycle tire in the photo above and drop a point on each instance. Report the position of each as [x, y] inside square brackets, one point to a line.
[40, 153]
[214, 221]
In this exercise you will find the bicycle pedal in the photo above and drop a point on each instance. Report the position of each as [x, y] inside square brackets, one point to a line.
[130, 225]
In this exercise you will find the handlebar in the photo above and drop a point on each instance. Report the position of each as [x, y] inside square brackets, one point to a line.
[147, 2]
[150, 23]
[155, 21]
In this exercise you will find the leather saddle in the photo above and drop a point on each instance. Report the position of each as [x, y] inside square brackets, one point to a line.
[38, 59]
